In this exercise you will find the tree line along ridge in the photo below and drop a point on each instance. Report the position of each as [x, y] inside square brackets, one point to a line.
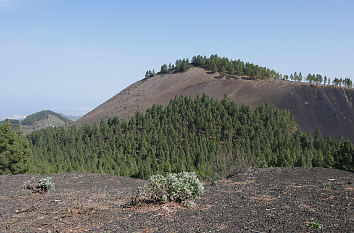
[242, 69]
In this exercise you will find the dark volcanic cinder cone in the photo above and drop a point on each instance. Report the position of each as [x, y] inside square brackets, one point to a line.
[314, 106]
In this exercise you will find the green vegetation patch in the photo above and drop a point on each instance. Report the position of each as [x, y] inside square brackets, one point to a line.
[15, 153]
[43, 185]
[315, 225]
[178, 187]
[211, 137]
[42, 116]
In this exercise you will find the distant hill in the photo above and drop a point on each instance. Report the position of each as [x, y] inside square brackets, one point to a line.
[40, 120]
[328, 108]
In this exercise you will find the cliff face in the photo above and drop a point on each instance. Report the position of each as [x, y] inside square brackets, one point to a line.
[328, 108]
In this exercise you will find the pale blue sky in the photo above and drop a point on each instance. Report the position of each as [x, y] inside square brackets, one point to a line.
[69, 56]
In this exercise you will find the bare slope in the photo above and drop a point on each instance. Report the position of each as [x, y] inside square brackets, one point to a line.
[255, 200]
[328, 108]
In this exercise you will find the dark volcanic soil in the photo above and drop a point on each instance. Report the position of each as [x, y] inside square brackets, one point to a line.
[255, 200]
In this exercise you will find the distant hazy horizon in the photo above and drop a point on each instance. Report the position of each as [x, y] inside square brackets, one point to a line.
[21, 117]
[71, 56]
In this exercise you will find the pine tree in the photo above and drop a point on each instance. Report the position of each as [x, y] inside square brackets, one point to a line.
[213, 67]
[164, 69]
[15, 153]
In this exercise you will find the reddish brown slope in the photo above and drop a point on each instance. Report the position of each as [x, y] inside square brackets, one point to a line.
[327, 108]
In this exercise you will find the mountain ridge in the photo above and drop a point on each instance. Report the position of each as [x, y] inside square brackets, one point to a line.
[314, 106]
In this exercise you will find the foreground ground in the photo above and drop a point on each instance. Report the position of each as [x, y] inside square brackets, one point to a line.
[255, 200]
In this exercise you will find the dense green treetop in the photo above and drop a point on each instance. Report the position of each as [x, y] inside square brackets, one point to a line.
[15, 153]
[211, 137]
[15, 124]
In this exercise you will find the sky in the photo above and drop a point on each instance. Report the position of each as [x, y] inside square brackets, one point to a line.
[70, 56]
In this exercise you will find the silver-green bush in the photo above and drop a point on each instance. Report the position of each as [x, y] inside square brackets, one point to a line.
[45, 184]
[173, 187]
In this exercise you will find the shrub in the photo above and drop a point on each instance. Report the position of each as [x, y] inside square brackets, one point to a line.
[326, 185]
[173, 187]
[315, 225]
[45, 184]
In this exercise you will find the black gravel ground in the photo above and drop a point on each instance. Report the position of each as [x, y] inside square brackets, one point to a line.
[255, 200]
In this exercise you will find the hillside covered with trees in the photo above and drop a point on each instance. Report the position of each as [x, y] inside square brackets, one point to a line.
[242, 69]
[38, 121]
[211, 137]
[42, 115]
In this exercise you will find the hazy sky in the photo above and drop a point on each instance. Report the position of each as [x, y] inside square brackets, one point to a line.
[69, 56]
